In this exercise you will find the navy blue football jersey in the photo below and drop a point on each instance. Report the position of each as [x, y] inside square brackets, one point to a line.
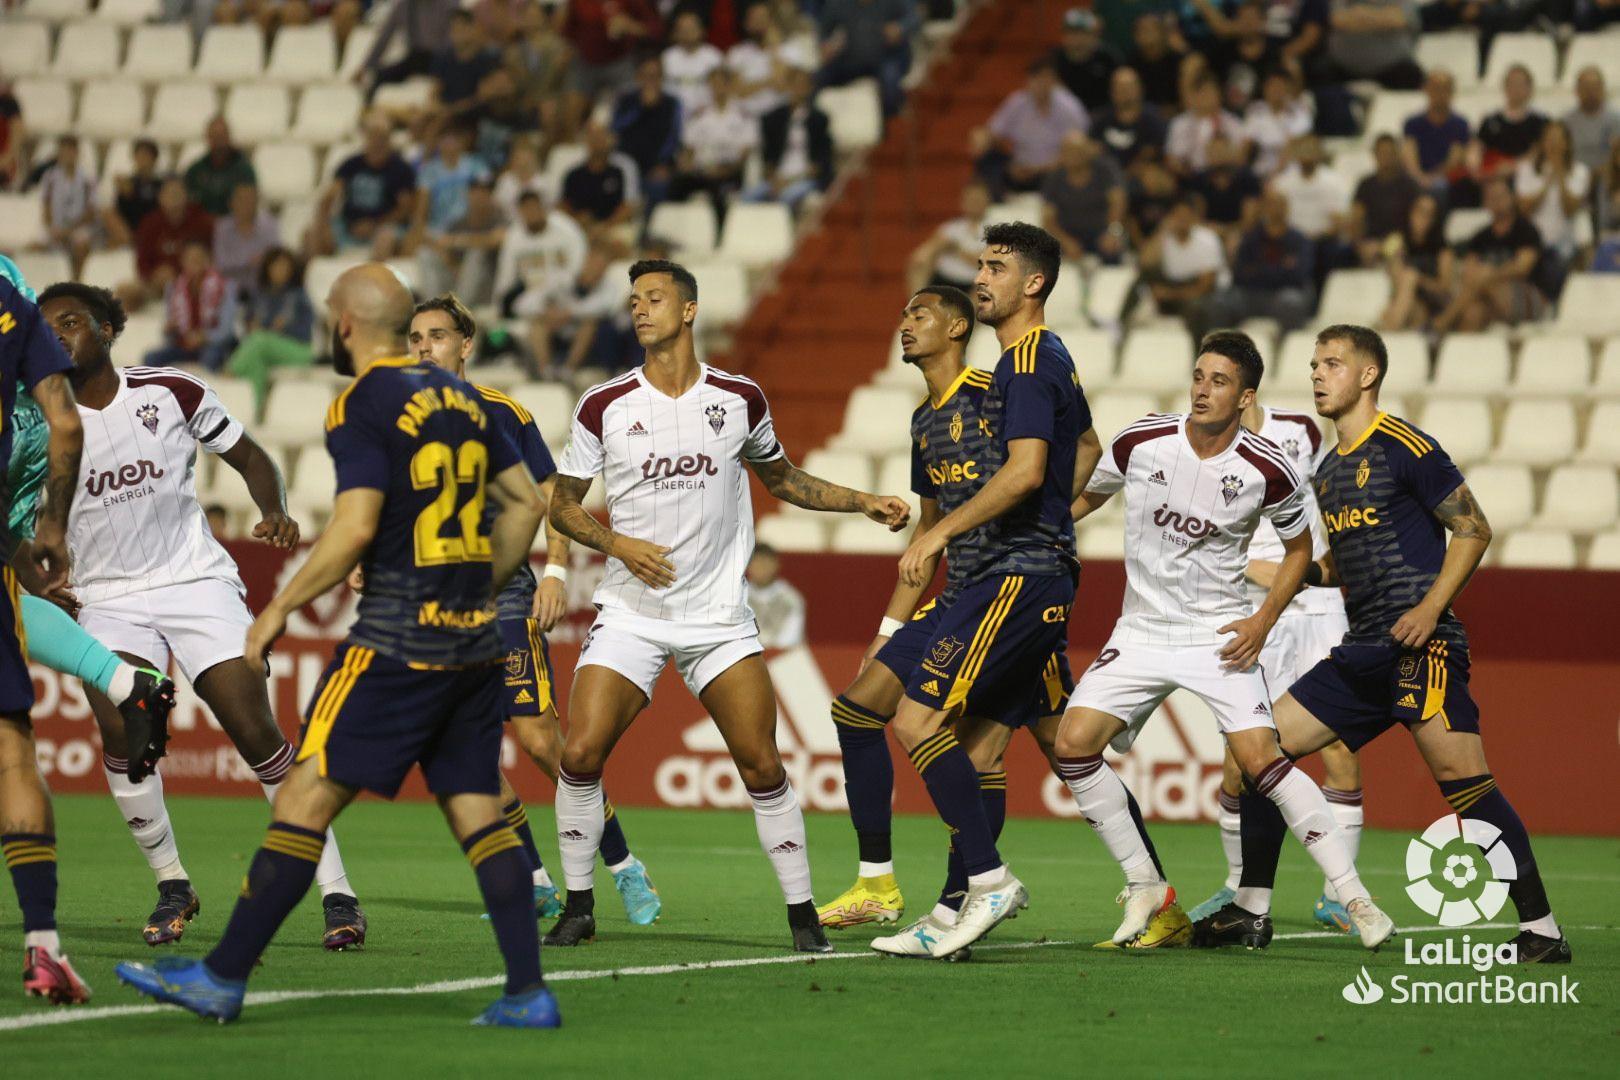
[953, 452]
[425, 439]
[29, 352]
[517, 423]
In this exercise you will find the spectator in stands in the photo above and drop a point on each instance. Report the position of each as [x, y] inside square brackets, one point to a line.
[13, 136]
[1083, 63]
[1153, 191]
[242, 237]
[1318, 203]
[863, 39]
[689, 61]
[1594, 126]
[1383, 201]
[1184, 266]
[1228, 190]
[459, 66]
[212, 177]
[758, 60]
[461, 257]
[951, 255]
[1300, 29]
[1498, 264]
[1187, 146]
[1085, 202]
[606, 35]
[778, 607]
[540, 62]
[647, 125]
[1437, 139]
[442, 185]
[1512, 131]
[280, 320]
[522, 173]
[1420, 266]
[596, 332]
[796, 145]
[371, 199]
[219, 520]
[1282, 115]
[603, 193]
[1020, 145]
[67, 193]
[540, 256]
[1129, 128]
[1243, 55]
[426, 26]
[199, 313]
[135, 195]
[176, 222]
[1156, 61]
[1271, 276]
[715, 145]
[1373, 39]
[501, 22]
[1553, 189]
[1609, 193]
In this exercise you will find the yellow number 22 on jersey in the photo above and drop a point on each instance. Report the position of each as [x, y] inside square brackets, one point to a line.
[436, 465]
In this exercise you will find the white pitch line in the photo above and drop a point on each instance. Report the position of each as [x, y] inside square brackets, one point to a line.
[456, 986]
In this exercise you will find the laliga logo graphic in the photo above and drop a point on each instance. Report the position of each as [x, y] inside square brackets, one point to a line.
[1363, 990]
[1458, 871]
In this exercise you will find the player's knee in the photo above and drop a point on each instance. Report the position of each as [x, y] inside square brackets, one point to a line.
[1080, 737]
[762, 775]
[541, 741]
[912, 728]
[583, 757]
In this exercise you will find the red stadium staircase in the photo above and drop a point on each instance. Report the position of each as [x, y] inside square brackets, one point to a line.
[825, 327]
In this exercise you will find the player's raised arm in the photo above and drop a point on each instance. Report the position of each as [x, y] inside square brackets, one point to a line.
[793, 485]
[512, 532]
[642, 558]
[50, 553]
[269, 491]
[1021, 476]
[1470, 532]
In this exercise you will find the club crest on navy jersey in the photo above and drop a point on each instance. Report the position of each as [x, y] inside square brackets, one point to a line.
[945, 651]
[1231, 486]
[148, 416]
[717, 416]
[956, 426]
[1363, 472]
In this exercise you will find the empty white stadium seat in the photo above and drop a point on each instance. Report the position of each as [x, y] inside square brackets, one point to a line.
[1553, 366]
[46, 104]
[1590, 305]
[1462, 426]
[1107, 291]
[42, 268]
[181, 111]
[722, 292]
[25, 49]
[159, 53]
[1100, 539]
[237, 397]
[111, 108]
[1538, 548]
[85, 50]
[1354, 296]
[1463, 222]
[758, 234]
[56, 11]
[295, 414]
[257, 113]
[1472, 365]
[230, 54]
[327, 113]
[1536, 433]
[1505, 493]
[286, 170]
[412, 95]
[876, 420]
[1456, 52]
[315, 480]
[1114, 409]
[786, 532]
[303, 55]
[1157, 361]
[1388, 113]
[1604, 554]
[851, 469]
[1606, 380]
[854, 114]
[984, 350]
[1015, 206]
[1066, 304]
[1534, 49]
[110, 269]
[1093, 354]
[894, 477]
[689, 226]
[1602, 445]
[858, 536]
[356, 48]
[295, 218]
[128, 12]
[1580, 498]
[22, 223]
[1591, 50]
[552, 405]
[142, 333]
[224, 485]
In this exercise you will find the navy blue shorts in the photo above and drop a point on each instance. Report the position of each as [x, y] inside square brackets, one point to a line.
[998, 651]
[1361, 691]
[528, 667]
[373, 717]
[16, 687]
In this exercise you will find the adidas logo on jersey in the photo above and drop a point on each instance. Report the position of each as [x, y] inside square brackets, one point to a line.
[1261, 710]
[1158, 478]
[931, 687]
[638, 428]
[523, 697]
[1408, 702]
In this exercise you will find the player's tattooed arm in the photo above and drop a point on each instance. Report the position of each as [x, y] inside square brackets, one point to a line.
[1460, 513]
[264, 483]
[55, 399]
[646, 560]
[793, 485]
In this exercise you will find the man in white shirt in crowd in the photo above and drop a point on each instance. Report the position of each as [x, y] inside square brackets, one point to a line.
[68, 192]
[1184, 266]
[778, 606]
[689, 61]
[1187, 145]
[951, 255]
[715, 144]
[1318, 202]
[796, 143]
[1020, 145]
[539, 259]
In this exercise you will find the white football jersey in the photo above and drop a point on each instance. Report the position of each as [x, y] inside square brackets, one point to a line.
[674, 473]
[1188, 523]
[136, 523]
[1301, 442]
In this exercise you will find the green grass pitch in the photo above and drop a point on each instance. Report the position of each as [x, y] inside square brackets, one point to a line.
[1039, 1001]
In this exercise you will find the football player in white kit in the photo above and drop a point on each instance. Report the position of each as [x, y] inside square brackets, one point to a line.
[1196, 486]
[153, 583]
[670, 439]
[1308, 629]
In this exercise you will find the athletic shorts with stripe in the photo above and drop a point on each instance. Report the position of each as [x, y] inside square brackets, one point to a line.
[16, 687]
[373, 717]
[996, 651]
[1361, 691]
[528, 667]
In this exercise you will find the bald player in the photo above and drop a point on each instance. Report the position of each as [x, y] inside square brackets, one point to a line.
[418, 681]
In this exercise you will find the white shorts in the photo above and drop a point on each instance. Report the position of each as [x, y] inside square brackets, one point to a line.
[1130, 681]
[638, 646]
[1298, 642]
[199, 624]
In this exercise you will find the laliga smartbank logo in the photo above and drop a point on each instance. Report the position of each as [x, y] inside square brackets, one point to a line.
[1458, 871]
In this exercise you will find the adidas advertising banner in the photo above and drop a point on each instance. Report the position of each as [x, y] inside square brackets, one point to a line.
[674, 755]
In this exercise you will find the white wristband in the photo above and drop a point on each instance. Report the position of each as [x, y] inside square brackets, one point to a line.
[557, 571]
[888, 627]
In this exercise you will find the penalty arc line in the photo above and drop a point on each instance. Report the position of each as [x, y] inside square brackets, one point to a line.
[455, 986]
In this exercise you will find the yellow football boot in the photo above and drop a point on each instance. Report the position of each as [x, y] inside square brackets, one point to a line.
[1168, 929]
[870, 899]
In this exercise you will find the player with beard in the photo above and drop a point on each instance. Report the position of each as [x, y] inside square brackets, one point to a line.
[153, 583]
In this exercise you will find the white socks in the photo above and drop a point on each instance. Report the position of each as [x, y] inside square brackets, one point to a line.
[1306, 811]
[121, 684]
[330, 876]
[1346, 808]
[1102, 800]
[875, 869]
[1231, 839]
[945, 915]
[44, 939]
[579, 827]
[780, 824]
[147, 817]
